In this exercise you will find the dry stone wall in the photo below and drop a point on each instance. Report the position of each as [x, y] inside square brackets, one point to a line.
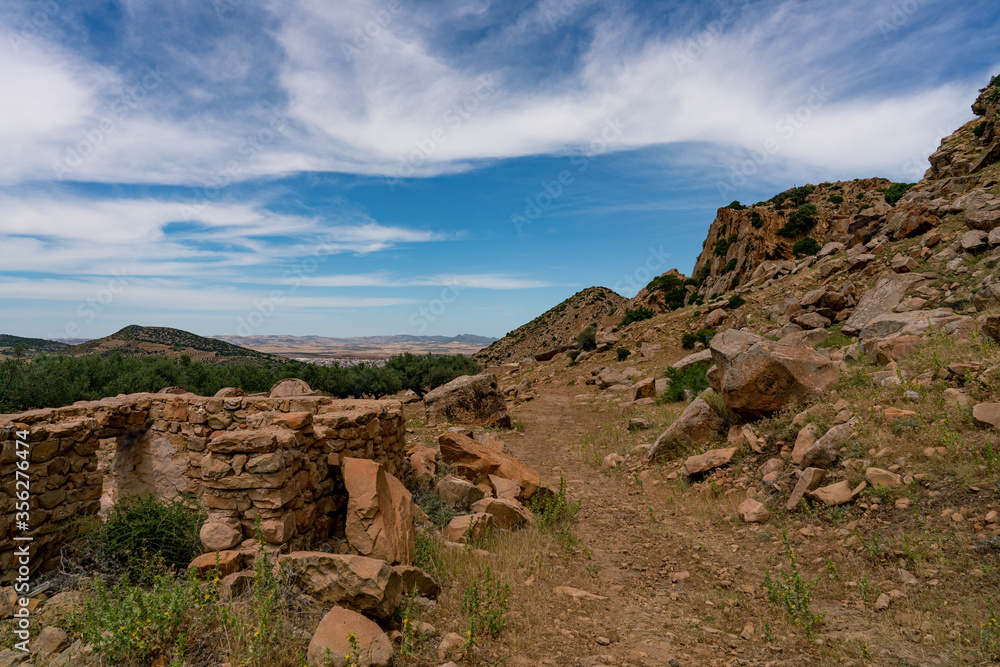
[276, 459]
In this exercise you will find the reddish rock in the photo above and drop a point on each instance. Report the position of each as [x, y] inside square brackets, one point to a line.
[227, 562]
[219, 536]
[290, 387]
[753, 511]
[804, 441]
[835, 494]
[474, 461]
[710, 460]
[366, 585]
[379, 512]
[506, 513]
[330, 644]
[469, 399]
[417, 582]
[457, 492]
[698, 424]
[643, 389]
[879, 477]
[468, 527]
[809, 479]
[986, 415]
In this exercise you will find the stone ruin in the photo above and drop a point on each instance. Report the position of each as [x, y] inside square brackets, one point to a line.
[275, 457]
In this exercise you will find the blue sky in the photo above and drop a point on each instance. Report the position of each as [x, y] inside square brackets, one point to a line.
[351, 168]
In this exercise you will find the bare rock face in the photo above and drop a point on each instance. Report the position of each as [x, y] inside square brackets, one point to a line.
[469, 399]
[760, 377]
[366, 585]
[330, 644]
[698, 424]
[379, 512]
[880, 300]
[474, 460]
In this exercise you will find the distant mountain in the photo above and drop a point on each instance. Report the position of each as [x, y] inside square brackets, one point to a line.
[369, 347]
[558, 327]
[138, 341]
[31, 346]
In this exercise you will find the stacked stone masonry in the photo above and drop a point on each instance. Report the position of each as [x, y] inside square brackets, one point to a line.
[243, 458]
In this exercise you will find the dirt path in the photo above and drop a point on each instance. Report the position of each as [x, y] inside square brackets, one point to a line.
[683, 582]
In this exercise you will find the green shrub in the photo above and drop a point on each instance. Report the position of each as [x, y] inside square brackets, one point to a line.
[637, 315]
[736, 301]
[671, 288]
[696, 299]
[756, 221]
[721, 246]
[145, 530]
[689, 339]
[795, 196]
[729, 266]
[736, 206]
[979, 130]
[859, 196]
[793, 593]
[806, 246]
[665, 282]
[553, 511]
[701, 275]
[835, 199]
[896, 191]
[692, 377]
[800, 221]
[622, 353]
[573, 354]
[587, 339]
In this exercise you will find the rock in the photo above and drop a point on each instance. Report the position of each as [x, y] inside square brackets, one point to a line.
[987, 298]
[468, 527]
[811, 321]
[994, 238]
[974, 241]
[715, 318]
[809, 338]
[451, 646]
[895, 349]
[637, 424]
[991, 327]
[698, 424]
[903, 264]
[896, 413]
[957, 398]
[835, 494]
[642, 389]
[766, 377]
[417, 582]
[49, 642]
[753, 511]
[882, 603]
[218, 536]
[236, 583]
[986, 415]
[879, 477]
[710, 460]
[365, 585]
[803, 441]
[380, 512]
[469, 399]
[917, 323]
[823, 453]
[227, 563]
[423, 461]
[880, 300]
[831, 248]
[578, 594]
[458, 493]
[906, 578]
[809, 479]
[503, 488]
[330, 644]
[473, 461]
[507, 513]
[702, 357]
[290, 387]
[612, 461]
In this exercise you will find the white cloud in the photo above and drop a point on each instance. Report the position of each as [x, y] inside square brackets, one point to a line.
[489, 281]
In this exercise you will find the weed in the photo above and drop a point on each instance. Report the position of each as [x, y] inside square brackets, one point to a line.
[486, 608]
[354, 658]
[692, 377]
[872, 548]
[407, 626]
[831, 567]
[989, 632]
[792, 592]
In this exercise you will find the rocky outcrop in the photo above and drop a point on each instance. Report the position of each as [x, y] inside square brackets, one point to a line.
[881, 300]
[470, 400]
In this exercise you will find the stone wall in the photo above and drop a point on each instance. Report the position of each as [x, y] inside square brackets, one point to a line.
[267, 457]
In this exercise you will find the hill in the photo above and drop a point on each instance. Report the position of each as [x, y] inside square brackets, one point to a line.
[139, 341]
[557, 328]
[365, 347]
[31, 346]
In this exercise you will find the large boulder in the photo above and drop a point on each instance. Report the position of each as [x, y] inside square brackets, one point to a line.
[698, 424]
[881, 300]
[703, 357]
[457, 492]
[469, 399]
[760, 377]
[290, 387]
[710, 460]
[366, 585]
[476, 461]
[379, 512]
[915, 323]
[331, 645]
[507, 513]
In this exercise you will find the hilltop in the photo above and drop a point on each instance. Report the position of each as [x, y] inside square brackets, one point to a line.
[138, 341]
[557, 328]
[30, 347]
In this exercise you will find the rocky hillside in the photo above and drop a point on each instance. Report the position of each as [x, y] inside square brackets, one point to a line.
[29, 347]
[138, 341]
[557, 328]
